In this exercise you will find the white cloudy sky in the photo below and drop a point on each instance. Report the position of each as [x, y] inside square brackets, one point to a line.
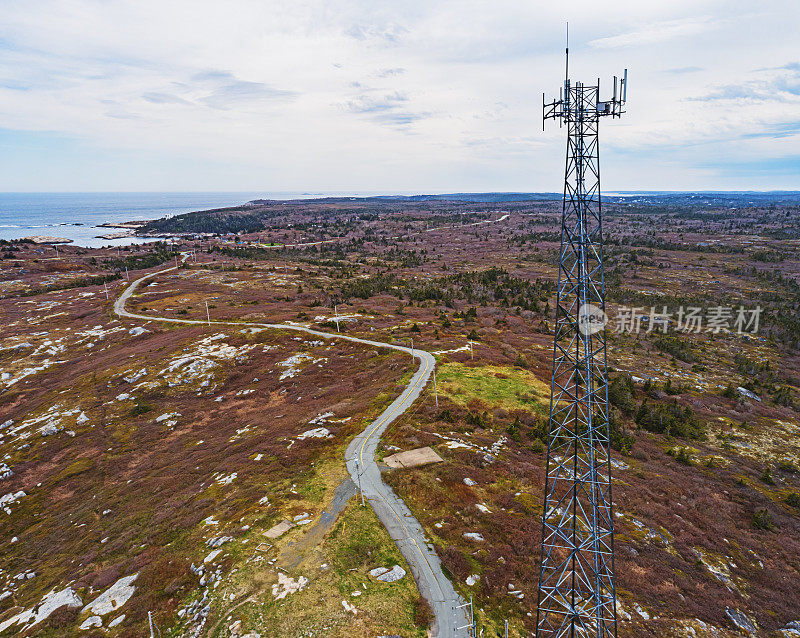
[401, 96]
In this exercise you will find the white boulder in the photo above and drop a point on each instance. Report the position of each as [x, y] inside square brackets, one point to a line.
[114, 597]
[91, 622]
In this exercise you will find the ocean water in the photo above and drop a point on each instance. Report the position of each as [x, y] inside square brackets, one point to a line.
[76, 216]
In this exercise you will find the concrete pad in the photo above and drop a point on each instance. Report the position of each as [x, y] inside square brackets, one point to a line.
[412, 458]
[279, 530]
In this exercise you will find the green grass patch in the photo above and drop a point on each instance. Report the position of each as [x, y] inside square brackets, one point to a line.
[496, 386]
[76, 467]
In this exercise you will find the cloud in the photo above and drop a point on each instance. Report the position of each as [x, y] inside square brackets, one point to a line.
[776, 130]
[367, 104]
[777, 87]
[218, 90]
[684, 69]
[656, 32]
[15, 85]
[379, 94]
[119, 111]
[226, 90]
[789, 66]
[386, 34]
[387, 73]
[390, 109]
[155, 97]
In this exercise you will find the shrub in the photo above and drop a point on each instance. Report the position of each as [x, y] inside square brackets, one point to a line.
[331, 325]
[761, 370]
[763, 520]
[676, 347]
[513, 430]
[673, 389]
[477, 420]
[787, 466]
[783, 396]
[729, 392]
[793, 499]
[140, 407]
[621, 440]
[423, 616]
[682, 456]
[540, 427]
[621, 393]
[537, 447]
[767, 476]
[670, 419]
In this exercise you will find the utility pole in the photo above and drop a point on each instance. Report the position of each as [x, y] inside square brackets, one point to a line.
[105, 287]
[336, 314]
[470, 627]
[471, 354]
[208, 315]
[473, 628]
[435, 393]
[127, 276]
[576, 593]
[150, 620]
[412, 347]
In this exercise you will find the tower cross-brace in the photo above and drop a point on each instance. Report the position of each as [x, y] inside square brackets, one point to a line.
[576, 594]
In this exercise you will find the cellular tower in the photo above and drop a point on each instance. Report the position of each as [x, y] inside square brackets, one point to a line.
[576, 594]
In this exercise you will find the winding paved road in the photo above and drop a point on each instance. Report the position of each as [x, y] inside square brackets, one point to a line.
[450, 619]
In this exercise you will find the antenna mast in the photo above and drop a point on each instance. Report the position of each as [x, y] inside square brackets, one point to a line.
[566, 65]
[577, 595]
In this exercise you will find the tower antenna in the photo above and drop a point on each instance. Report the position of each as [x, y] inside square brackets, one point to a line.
[566, 65]
[577, 594]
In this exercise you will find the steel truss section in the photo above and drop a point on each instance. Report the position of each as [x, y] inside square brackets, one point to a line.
[576, 594]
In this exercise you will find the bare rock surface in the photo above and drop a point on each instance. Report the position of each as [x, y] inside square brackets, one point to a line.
[114, 597]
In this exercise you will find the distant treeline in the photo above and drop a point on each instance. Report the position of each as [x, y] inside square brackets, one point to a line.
[155, 257]
[80, 282]
[494, 285]
[218, 221]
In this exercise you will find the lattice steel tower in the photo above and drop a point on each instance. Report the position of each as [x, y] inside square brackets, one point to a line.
[576, 596]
